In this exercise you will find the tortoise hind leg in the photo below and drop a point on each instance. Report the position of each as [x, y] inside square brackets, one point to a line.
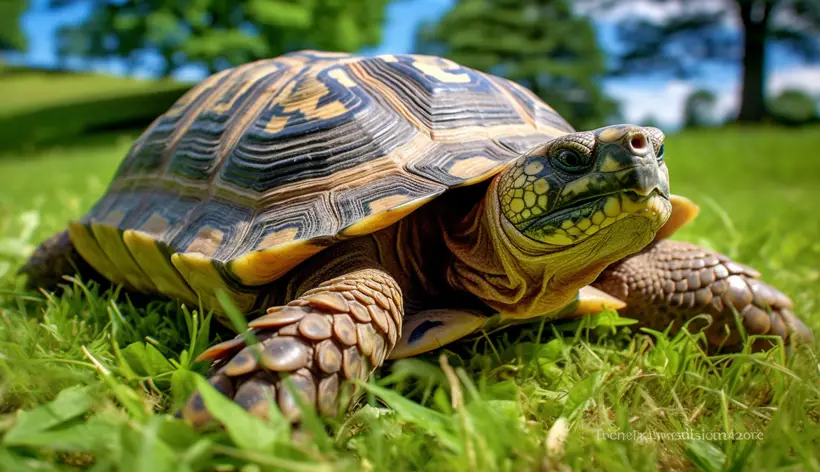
[54, 258]
[672, 281]
[341, 330]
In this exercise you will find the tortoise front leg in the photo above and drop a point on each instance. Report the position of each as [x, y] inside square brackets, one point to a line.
[341, 330]
[672, 281]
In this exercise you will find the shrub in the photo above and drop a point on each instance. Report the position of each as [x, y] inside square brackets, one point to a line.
[793, 107]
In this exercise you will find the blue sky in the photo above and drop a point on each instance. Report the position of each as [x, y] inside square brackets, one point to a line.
[640, 96]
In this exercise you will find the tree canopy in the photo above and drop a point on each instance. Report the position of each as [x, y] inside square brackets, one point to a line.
[696, 34]
[11, 36]
[699, 109]
[541, 44]
[220, 33]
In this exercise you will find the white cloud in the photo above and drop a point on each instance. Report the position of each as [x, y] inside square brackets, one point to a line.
[656, 11]
[665, 100]
[806, 78]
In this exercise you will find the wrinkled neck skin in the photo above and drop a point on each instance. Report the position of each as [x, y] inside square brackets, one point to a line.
[523, 278]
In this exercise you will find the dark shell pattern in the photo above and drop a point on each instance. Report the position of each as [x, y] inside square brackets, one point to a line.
[259, 167]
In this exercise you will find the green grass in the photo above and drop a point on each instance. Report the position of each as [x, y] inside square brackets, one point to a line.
[112, 372]
[40, 107]
[26, 90]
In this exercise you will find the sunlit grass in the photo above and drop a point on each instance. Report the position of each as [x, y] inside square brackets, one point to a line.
[28, 90]
[115, 371]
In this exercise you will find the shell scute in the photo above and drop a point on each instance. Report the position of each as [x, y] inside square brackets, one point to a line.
[261, 166]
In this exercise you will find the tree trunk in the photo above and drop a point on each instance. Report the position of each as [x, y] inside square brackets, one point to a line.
[755, 17]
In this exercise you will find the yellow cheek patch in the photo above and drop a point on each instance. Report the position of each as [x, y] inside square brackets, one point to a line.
[529, 199]
[615, 208]
[533, 168]
[517, 205]
[576, 187]
[609, 164]
[524, 196]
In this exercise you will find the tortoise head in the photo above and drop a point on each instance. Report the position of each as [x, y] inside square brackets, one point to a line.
[566, 210]
[599, 185]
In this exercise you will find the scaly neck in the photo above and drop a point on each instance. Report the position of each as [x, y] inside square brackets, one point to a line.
[518, 277]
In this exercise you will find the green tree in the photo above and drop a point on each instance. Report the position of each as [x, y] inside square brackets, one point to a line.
[540, 44]
[794, 108]
[220, 33]
[699, 109]
[698, 33]
[11, 37]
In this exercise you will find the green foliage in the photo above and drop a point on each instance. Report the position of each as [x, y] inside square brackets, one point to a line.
[11, 36]
[540, 44]
[47, 107]
[221, 33]
[699, 109]
[794, 108]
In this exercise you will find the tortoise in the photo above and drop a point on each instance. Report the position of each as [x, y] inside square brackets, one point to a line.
[368, 208]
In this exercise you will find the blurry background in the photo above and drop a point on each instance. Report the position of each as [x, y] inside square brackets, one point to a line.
[69, 65]
[734, 83]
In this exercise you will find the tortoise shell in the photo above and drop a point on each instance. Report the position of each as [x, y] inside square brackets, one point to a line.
[261, 166]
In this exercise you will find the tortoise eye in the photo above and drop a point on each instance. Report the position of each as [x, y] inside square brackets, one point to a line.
[660, 153]
[571, 161]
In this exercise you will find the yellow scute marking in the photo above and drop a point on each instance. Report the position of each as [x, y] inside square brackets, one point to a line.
[471, 167]
[206, 241]
[435, 71]
[277, 237]
[342, 77]
[157, 266]
[448, 326]
[110, 240]
[87, 246]
[305, 99]
[113, 218]
[373, 223]
[199, 271]
[267, 265]
[683, 211]
[591, 300]
[387, 203]
[225, 103]
[155, 225]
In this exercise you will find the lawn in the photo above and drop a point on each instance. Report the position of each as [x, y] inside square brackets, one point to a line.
[89, 379]
[29, 89]
[39, 107]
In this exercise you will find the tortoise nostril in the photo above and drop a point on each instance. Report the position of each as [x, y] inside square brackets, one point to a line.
[638, 142]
